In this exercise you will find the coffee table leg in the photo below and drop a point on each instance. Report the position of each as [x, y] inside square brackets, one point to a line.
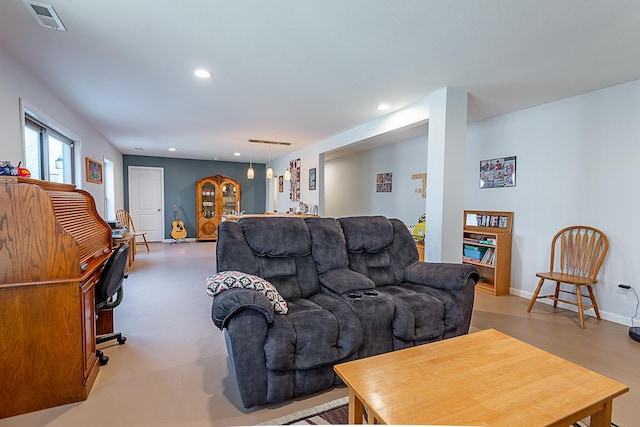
[603, 418]
[356, 409]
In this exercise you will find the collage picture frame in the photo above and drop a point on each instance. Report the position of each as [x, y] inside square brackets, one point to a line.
[498, 173]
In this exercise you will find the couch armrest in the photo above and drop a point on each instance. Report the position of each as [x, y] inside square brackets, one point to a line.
[447, 276]
[342, 280]
[230, 302]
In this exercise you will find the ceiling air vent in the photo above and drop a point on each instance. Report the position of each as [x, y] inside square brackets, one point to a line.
[45, 15]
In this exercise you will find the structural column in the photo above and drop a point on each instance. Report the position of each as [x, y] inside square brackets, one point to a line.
[445, 174]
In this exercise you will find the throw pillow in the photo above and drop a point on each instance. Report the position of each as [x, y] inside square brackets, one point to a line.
[236, 279]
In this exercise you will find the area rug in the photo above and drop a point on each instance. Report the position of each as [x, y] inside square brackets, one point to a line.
[337, 412]
[334, 412]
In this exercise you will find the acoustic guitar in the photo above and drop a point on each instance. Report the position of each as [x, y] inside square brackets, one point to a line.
[178, 231]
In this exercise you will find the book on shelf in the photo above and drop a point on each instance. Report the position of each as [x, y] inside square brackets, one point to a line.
[475, 253]
[488, 257]
[482, 240]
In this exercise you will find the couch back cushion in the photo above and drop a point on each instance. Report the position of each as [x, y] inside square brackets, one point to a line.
[328, 244]
[368, 240]
[403, 250]
[232, 251]
[282, 250]
[276, 236]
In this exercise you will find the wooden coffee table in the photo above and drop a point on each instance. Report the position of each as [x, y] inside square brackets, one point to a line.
[482, 379]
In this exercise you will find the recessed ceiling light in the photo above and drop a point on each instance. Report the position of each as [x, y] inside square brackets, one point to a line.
[138, 149]
[383, 107]
[236, 154]
[172, 149]
[203, 74]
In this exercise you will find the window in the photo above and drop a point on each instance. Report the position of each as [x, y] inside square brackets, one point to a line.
[109, 191]
[48, 153]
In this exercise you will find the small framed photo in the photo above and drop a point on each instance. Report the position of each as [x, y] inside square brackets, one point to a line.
[383, 182]
[94, 171]
[280, 184]
[498, 173]
[312, 179]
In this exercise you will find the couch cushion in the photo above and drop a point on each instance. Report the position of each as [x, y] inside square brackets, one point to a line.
[374, 265]
[403, 249]
[369, 233]
[294, 276]
[453, 310]
[368, 240]
[276, 236]
[305, 338]
[343, 280]
[329, 247]
[419, 317]
[232, 251]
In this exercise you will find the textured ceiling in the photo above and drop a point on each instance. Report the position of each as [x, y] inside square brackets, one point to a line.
[304, 70]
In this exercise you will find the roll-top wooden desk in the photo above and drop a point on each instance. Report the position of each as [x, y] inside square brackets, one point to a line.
[53, 244]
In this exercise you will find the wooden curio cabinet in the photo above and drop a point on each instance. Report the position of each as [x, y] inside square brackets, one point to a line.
[216, 196]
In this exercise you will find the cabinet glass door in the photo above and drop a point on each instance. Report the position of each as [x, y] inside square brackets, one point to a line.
[229, 198]
[208, 200]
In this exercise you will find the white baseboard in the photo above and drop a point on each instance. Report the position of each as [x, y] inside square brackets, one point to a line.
[612, 317]
[187, 240]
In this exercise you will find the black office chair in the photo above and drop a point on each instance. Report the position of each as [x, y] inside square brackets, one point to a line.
[109, 292]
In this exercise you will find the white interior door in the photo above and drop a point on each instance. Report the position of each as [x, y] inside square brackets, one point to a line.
[146, 201]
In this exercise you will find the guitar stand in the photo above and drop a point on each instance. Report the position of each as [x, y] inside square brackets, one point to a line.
[178, 241]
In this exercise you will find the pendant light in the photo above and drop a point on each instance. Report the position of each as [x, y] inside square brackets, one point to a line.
[250, 171]
[287, 172]
[269, 170]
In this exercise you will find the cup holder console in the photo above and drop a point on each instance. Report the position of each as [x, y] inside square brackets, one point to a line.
[358, 295]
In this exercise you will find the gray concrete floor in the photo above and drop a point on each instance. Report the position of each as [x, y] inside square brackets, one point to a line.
[173, 369]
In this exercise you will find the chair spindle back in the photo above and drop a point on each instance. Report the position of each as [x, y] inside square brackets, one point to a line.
[582, 250]
[124, 218]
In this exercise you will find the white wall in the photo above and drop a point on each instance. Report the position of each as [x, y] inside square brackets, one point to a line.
[576, 165]
[347, 182]
[312, 156]
[350, 182]
[16, 83]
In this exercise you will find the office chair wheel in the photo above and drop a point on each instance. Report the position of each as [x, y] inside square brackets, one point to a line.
[103, 359]
[121, 340]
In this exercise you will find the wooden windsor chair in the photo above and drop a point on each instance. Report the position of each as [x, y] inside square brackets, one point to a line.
[123, 217]
[577, 253]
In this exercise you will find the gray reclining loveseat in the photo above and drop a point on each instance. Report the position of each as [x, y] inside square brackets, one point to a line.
[353, 287]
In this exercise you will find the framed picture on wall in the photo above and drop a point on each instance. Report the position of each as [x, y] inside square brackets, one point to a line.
[280, 184]
[312, 179]
[94, 171]
[294, 182]
[383, 182]
[498, 173]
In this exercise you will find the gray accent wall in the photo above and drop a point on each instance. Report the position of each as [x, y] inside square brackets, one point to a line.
[180, 176]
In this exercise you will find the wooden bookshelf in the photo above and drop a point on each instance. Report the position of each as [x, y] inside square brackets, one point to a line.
[486, 243]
